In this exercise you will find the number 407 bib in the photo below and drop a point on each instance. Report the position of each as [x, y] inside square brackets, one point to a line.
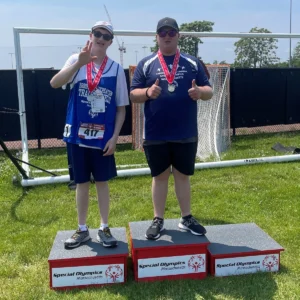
[89, 131]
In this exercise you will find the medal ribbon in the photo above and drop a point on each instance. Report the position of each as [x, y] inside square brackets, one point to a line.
[92, 84]
[169, 76]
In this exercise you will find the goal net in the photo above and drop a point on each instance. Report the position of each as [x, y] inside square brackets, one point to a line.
[213, 117]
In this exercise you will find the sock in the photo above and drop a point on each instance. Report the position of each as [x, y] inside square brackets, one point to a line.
[82, 227]
[102, 226]
[186, 217]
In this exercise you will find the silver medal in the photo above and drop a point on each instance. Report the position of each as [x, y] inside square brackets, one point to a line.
[171, 88]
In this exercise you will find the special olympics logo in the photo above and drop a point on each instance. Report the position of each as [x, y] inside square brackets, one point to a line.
[196, 262]
[113, 273]
[270, 262]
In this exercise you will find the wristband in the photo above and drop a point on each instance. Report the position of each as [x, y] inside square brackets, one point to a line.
[147, 93]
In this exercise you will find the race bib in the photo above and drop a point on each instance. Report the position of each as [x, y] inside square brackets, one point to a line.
[89, 131]
[97, 102]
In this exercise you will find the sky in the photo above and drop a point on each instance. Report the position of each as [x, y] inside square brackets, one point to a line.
[46, 51]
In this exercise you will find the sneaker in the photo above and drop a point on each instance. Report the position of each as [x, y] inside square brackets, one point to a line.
[105, 238]
[153, 232]
[191, 224]
[77, 238]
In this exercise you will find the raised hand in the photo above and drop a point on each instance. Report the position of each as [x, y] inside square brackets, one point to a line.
[194, 92]
[85, 55]
[155, 90]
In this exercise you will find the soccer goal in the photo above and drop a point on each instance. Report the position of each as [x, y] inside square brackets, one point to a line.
[214, 128]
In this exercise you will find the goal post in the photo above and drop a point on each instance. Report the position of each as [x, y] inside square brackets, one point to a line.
[218, 124]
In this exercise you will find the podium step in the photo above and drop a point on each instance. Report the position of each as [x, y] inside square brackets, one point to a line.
[236, 249]
[90, 264]
[177, 254]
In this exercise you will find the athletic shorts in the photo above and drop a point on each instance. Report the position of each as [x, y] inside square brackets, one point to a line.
[180, 155]
[90, 161]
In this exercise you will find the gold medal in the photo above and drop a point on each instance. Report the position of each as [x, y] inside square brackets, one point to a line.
[171, 88]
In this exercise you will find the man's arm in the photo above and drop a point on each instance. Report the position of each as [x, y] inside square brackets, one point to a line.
[64, 75]
[139, 95]
[200, 92]
[203, 90]
[110, 146]
[142, 95]
[206, 92]
[120, 118]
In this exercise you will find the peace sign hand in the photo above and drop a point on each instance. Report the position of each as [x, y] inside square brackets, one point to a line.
[85, 56]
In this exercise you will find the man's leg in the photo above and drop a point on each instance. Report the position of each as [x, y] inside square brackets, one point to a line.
[104, 235]
[103, 200]
[183, 191]
[183, 166]
[158, 158]
[82, 178]
[159, 193]
[82, 201]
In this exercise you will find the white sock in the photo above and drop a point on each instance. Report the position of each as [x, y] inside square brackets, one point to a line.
[82, 227]
[102, 226]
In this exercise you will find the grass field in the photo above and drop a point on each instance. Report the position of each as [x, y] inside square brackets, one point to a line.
[266, 194]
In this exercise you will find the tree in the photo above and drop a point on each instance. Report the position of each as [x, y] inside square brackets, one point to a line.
[222, 62]
[284, 64]
[189, 44]
[296, 56]
[256, 52]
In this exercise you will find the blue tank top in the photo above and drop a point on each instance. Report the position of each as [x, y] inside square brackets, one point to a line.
[86, 124]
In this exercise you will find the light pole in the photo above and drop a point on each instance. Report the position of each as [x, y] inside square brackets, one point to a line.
[144, 47]
[136, 52]
[12, 62]
[290, 60]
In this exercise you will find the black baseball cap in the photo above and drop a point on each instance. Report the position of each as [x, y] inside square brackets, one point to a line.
[167, 22]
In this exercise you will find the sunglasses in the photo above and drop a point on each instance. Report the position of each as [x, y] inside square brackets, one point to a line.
[164, 33]
[106, 36]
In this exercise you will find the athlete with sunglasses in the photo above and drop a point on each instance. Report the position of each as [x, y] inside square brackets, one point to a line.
[169, 83]
[96, 112]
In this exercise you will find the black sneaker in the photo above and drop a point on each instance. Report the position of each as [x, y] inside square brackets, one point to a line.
[77, 238]
[105, 238]
[153, 232]
[191, 224]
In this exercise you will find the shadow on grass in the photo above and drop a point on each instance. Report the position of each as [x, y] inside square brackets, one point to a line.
[33, 221]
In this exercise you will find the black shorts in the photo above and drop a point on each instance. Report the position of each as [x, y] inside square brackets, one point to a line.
[180, 155]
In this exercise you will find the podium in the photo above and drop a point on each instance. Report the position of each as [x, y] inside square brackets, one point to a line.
[177, 254]
[237, 249]
[90, 264]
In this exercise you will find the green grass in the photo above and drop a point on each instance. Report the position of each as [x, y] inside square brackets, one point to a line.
[266, 194]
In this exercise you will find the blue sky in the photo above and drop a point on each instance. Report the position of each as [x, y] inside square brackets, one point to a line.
[52, 50]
